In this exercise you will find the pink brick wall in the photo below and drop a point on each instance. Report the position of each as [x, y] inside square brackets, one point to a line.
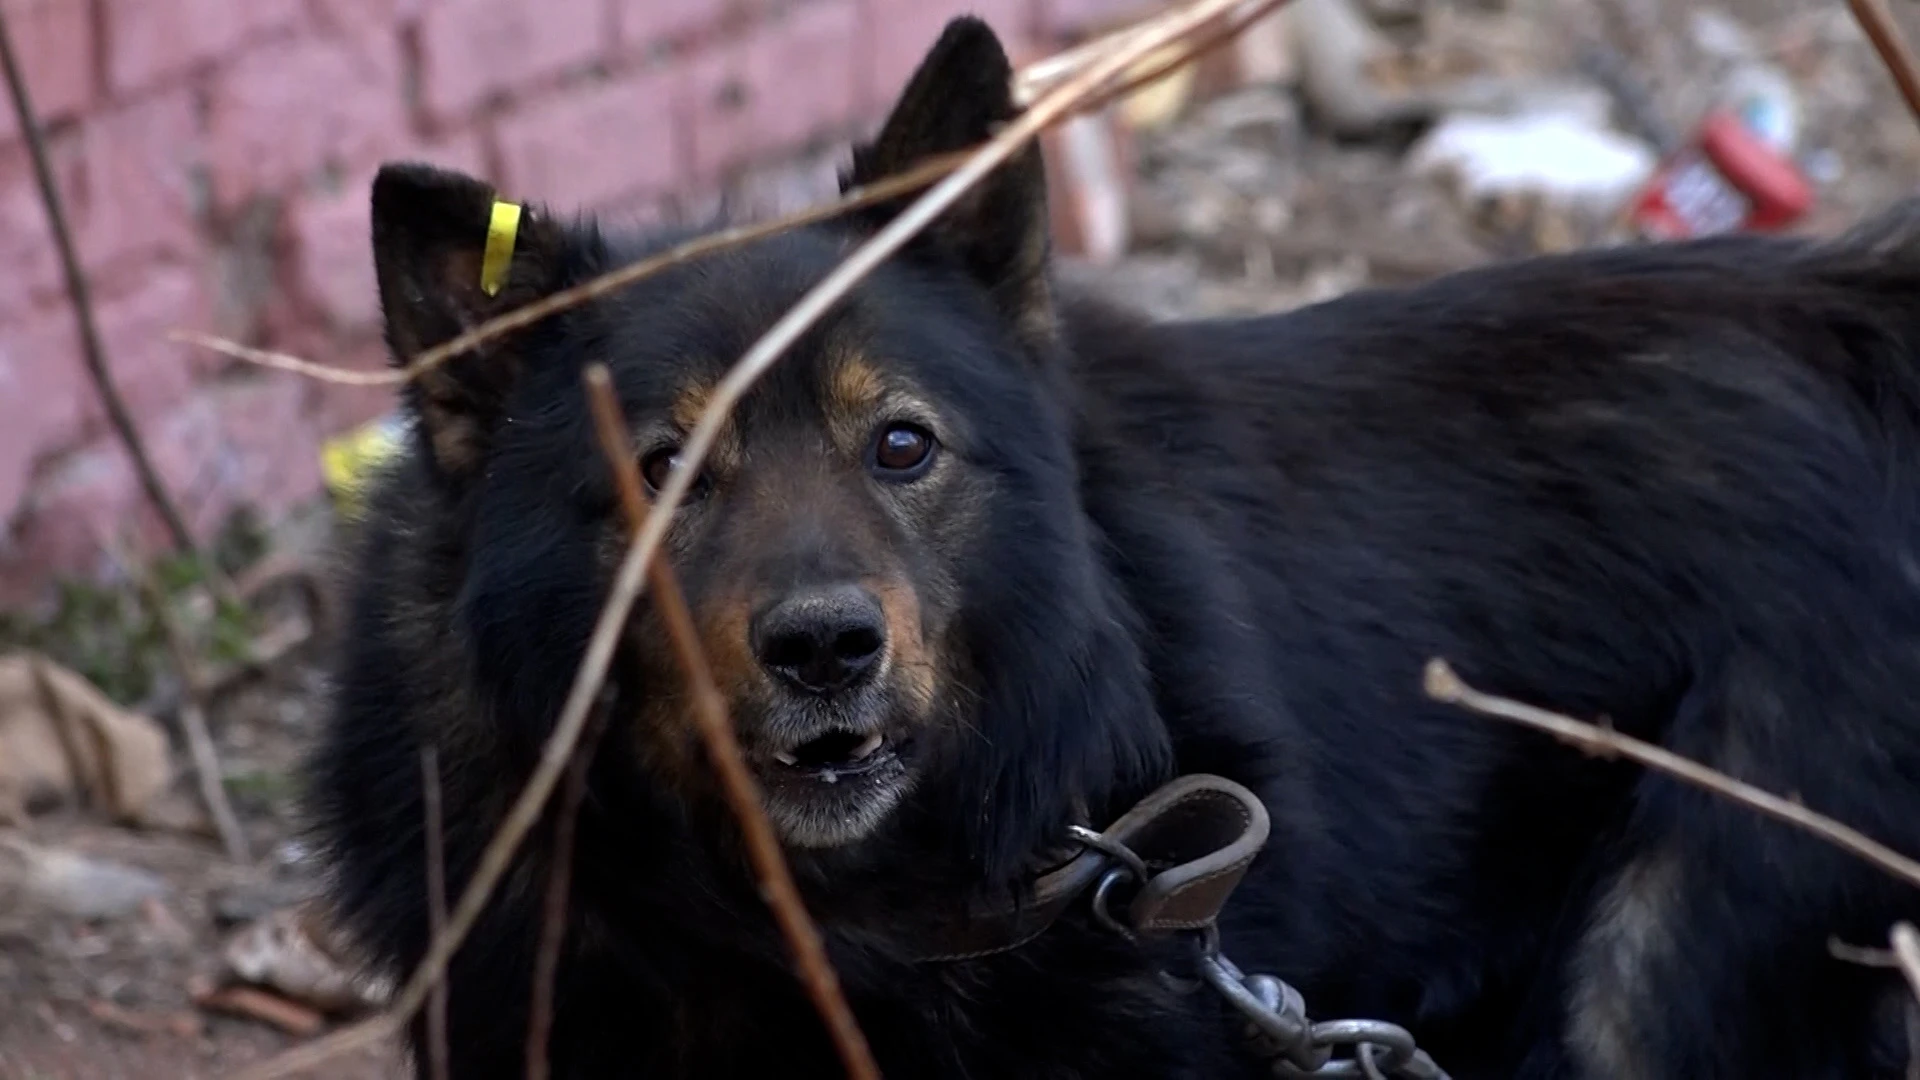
[215, 157]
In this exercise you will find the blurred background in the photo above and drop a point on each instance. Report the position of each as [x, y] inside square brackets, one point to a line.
[213, 158]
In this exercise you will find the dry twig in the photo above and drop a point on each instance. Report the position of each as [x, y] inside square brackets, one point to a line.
[80, 295]
[1877, 23]
[553, 926]
[1045, 75]
[253, 1003]
[1188, 23]
[1228, 28]
[1443, 685]
[710, 712]
[1906, 954]
[436, 856]
[892, 187]
[193, 714]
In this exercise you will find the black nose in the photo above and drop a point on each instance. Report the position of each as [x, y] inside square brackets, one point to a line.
[821, 641]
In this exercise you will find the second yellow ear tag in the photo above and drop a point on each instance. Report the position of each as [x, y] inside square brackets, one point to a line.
[502, 231]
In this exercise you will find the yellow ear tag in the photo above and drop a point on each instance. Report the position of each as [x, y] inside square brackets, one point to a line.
[502, 231]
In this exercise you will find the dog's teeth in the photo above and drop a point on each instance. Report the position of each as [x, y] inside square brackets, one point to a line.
[785, 758]
[867, 747]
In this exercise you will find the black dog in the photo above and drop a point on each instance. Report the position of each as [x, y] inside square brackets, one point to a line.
[977, 561]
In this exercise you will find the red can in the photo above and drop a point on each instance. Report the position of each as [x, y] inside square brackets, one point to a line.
[1725, 180]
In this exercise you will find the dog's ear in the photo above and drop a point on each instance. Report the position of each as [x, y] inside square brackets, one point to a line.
[448, 255]
[959, 97]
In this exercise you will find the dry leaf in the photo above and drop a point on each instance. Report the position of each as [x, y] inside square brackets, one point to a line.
[62, 740]
[291, 952]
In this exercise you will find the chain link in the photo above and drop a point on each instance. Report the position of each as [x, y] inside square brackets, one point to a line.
[1277, 1028]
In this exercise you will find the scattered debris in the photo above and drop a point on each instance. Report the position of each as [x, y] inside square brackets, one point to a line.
[1727, 179]
[249, 902]
[253, 1004]
[1557, 158]
[62, 741]
[293, 952]
[1337, 49]
[1090, 173]
[183, 1025]
[70, 885]
[160, 928]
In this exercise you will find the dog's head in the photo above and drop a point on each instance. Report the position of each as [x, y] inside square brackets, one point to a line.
[885, 553]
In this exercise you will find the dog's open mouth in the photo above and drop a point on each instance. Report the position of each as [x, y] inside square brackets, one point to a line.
[837, 753]
[834, 787]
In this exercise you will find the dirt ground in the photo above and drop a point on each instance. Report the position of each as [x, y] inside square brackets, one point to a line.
[1241, 206]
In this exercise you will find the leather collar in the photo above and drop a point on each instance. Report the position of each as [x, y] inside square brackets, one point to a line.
[1194, 839]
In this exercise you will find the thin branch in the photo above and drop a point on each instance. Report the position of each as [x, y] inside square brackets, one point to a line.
[1042, 75]
[1227, 30]
[627, 582]
[1877, 23]
[1860, 955]
[892, 187]
[710, 712]
[1443, 685]
[80, 295]
[193, 717]
[280, 361]
[553, 926]
[206, 769]
[1905, 956]
[436, 856]
[1906, 953]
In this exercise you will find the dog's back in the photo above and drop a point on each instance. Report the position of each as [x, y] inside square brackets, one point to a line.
[1674, 487]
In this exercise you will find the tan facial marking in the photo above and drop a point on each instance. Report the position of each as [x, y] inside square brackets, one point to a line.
[852, 395]
[689, 405]
[725, 631]
[906, 642]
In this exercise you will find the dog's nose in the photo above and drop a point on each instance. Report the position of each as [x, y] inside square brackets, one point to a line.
[822, 641]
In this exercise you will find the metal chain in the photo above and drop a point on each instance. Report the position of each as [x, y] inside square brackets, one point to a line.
[1277, 1028]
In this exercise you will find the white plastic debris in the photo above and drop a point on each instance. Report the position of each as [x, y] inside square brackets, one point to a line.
[70, 884]
[1553, 155]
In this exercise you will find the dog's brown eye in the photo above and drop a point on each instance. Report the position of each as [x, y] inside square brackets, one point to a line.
[903, 449]
[656, 468]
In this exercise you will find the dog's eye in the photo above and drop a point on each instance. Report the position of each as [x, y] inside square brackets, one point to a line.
[658, 466]
[903, 450]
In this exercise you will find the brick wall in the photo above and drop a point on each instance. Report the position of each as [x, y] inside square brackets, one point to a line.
[215, 157]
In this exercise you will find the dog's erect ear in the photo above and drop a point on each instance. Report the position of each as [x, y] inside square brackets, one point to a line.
[447, 259]
[959, 97]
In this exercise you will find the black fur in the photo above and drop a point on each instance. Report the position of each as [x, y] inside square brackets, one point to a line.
[1674, 486]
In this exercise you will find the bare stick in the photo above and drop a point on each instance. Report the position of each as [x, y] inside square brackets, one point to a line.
[1445, 686]
[206, 769]
[436, 901]
[553, 926]
[1228, 29]
[80, 295]
[628, 578]
[1877, 23]
[193, 720]
[892, 187]
[1906, 953]
[1042, 75]
[710, 712]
